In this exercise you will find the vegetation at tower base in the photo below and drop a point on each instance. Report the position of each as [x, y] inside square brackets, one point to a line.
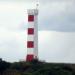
[36, 67]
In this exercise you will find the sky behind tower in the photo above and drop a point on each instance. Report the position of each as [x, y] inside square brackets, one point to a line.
[56, 23]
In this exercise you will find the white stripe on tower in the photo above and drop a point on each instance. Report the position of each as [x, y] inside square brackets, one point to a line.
[32, 39]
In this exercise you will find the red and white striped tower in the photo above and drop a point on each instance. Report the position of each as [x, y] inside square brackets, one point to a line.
[32, 38]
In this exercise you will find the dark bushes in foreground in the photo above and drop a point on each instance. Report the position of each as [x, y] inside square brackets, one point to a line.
[35, 68]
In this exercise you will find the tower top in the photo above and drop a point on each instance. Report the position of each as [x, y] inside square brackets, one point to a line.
[35, 10]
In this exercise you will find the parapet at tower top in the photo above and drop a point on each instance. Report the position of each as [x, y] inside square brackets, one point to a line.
[33, 11]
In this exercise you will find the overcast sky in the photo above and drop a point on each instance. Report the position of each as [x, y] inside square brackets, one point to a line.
[56, 23]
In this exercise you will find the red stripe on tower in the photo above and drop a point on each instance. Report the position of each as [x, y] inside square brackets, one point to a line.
[30, 18]
[32, 35]
[30, 31]
[30, 44]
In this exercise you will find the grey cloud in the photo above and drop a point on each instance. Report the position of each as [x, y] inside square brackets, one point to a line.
[12, 45]
[12, 50]
[58, 46]
[60, 19]
[16, 0]
[32, 1]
